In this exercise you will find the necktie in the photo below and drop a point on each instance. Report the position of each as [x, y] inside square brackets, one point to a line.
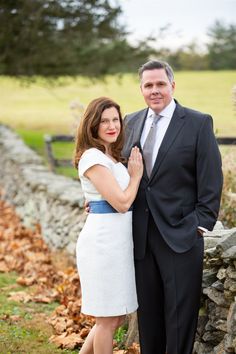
[148, 145]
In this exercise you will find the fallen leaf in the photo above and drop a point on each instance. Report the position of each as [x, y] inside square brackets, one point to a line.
[20, 296]
[68, 342]
[3, 267]
[15, 318]
[26, 281]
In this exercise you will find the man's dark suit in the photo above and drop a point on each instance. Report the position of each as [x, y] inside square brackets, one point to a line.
[183, 192]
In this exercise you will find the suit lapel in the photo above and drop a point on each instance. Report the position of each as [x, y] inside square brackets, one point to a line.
[138, 127]
[176, 124]
[137, 132]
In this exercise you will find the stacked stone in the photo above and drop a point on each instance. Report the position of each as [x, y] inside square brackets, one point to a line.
[217, 321]
[55, 202]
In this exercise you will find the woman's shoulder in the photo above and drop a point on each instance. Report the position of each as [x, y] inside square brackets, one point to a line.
[92, 152]
[93, 156]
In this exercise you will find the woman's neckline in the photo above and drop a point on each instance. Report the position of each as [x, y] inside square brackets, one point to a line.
[108, 156]
[111, 158]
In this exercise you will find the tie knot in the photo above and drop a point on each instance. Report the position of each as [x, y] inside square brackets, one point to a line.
[156, 118]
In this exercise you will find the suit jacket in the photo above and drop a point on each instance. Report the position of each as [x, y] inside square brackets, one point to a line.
[184, 188]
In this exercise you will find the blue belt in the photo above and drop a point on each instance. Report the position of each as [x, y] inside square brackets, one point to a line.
[102, 207]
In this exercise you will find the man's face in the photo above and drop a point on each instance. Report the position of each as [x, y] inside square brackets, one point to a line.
[156, 89]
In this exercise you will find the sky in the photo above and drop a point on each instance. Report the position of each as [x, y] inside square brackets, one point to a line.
[188, 19]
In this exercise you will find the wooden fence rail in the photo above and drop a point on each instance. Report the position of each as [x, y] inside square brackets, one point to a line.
[54, 162]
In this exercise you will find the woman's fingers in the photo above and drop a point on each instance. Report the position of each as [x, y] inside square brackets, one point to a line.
[135, 156]
[135, 153]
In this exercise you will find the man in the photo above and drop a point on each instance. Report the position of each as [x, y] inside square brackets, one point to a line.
[178, 199]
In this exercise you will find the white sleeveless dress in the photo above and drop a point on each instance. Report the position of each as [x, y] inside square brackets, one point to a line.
[104, 249]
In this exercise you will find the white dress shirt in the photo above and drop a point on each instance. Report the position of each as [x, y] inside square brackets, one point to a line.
[162, 126]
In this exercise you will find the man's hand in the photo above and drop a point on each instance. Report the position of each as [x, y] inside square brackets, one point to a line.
[200, 232]
[86, 207]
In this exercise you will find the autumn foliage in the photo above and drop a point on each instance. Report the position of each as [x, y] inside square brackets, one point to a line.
[23, 250]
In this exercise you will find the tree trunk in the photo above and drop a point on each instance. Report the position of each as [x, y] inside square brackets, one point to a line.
[132, 334]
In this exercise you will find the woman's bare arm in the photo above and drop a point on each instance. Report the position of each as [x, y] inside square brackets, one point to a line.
[108, 187]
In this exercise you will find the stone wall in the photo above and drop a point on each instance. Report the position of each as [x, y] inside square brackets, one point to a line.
[40, 196]
[217, 321]
[56, 203]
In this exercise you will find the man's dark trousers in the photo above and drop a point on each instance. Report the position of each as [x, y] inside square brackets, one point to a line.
[162, 271]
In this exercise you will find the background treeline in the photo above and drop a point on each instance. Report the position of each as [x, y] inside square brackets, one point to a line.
[71, 37]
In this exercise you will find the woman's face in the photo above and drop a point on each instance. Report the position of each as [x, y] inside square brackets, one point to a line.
[109, 126]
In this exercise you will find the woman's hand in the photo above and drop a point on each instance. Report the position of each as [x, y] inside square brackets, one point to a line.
[135, 163]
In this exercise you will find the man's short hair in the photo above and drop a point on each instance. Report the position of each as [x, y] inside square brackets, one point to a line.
[157, 64]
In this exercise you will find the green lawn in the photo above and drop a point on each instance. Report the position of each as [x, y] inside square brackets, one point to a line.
[39, 108]
[35, 139]
[47, 108]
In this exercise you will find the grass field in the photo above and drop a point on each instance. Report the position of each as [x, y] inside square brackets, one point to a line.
[41, 108]
[47, 109]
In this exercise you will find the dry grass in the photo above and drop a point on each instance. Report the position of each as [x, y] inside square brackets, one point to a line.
[228, 202]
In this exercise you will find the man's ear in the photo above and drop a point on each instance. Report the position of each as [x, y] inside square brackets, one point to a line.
[173, 86]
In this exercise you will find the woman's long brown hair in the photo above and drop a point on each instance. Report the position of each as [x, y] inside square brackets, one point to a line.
[87, 133]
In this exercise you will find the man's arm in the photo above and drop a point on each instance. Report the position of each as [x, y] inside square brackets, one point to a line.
[209, 176]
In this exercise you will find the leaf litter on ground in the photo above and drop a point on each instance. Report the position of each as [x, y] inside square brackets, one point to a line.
[24, 251]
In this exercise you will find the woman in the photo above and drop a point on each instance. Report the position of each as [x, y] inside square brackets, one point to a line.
[105, 246]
